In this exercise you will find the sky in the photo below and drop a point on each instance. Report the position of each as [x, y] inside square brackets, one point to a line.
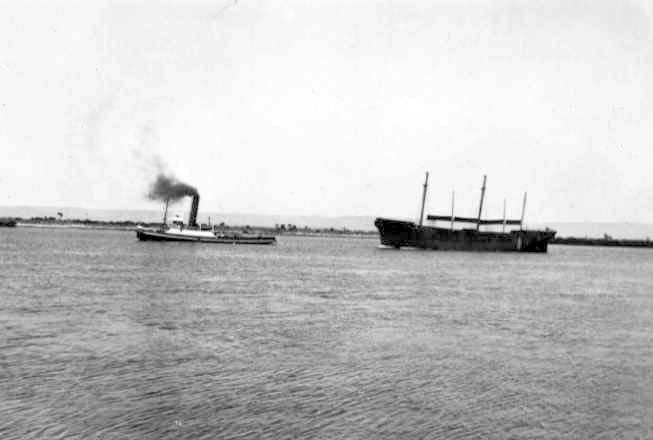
[331, 107]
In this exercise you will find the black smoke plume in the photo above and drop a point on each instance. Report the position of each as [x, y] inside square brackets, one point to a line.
[167, 187]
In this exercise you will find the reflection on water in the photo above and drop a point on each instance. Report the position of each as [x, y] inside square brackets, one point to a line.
[107, 337]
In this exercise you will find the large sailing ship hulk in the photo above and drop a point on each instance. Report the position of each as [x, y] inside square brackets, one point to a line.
[400, 233]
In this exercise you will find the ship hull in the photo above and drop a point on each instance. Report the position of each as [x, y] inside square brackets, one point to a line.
[398, 233]
[145, 235]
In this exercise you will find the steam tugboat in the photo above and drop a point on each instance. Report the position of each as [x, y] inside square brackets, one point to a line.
[400, 233]
[196, 233]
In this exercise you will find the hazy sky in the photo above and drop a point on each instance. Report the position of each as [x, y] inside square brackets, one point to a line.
[331, 108]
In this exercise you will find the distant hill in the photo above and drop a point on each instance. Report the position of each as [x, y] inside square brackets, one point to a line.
[565, 229]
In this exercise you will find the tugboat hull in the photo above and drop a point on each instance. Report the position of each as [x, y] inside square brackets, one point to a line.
[145, 235]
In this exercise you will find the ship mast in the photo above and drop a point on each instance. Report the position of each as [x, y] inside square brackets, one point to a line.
[421, 214]
[523, 211]
[480, 206]
[453, 198]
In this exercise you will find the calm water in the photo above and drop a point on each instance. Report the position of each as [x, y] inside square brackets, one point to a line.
[106, 337]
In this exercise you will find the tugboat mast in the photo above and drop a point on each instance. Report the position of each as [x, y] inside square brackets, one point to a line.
[165, 213]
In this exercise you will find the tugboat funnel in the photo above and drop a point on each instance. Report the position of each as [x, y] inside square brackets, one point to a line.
[192, 217]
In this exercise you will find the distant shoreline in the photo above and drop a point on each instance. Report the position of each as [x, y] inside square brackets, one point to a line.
[129, 226]
[607, 242]
[73, 226]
